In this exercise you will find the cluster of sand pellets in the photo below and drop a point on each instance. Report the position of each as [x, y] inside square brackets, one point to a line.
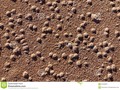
[60, 40]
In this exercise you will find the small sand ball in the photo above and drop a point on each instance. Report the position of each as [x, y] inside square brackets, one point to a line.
[50, 66]
[93, 30]
[70, 61]
[118, 38]
[43, 74]
[90, 45]
[109, 76]
[3, 79]
[59, 26]
[28, 16]
[42, 58]
[52, 72]
[86, 64]
[82, 17]
[49, 30]
[23, 41]
[46, 23]
[74, 10]
[25, 1]
[95, 49]
[105, 43]
[78, 63]
[118, 15]
[49, 3]
[25, 48]
[63, 3]
[80, 36]
[88, 14]
[39, 40]
[53, 15]
[47, 69]
[76, 40]
[37, 9]
[112, 47]
[96, 17]
[30, 26]
[91, 39]
[50, 54]
[64, 55]
[75, 49]
[20, 37]
[69, 45]
[33, 7]
[107, 49]
[75, 56]
[106, 34]
[113, 67]
[12, 57]
[7, 30]
[38, 53]
[66, 34]
[24, 44]
[108, 68]
[112, 4]
[30, 78]
[105, 78]
[11, 24]
[89, 2]
[85, 42]
[1, 25]
[114, 9]
[104, 54]
[61, 74]
[54, 4]
[8, 45]
[13, 11]
[22, 31]
[19, 15]
[19, 21]
[11, 19]
[34, 27]
[106, 29]
[43, 35]
[99, 54]
[6, 35]
[70, 2]
[13, 33]
[110, 59]
[51, 8]
[57, 35]
[8, 13]
[25, 74]
[100, 44]
[57, 10]
[83, 24]
[54, 56]
[79, 29]
[85, 34]
[17, 50]
[7, 64]
[117, 33]
[71, 56]
[70, 35]
[33, 56]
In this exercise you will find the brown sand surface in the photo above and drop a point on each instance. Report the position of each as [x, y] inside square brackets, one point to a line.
[60, 40]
